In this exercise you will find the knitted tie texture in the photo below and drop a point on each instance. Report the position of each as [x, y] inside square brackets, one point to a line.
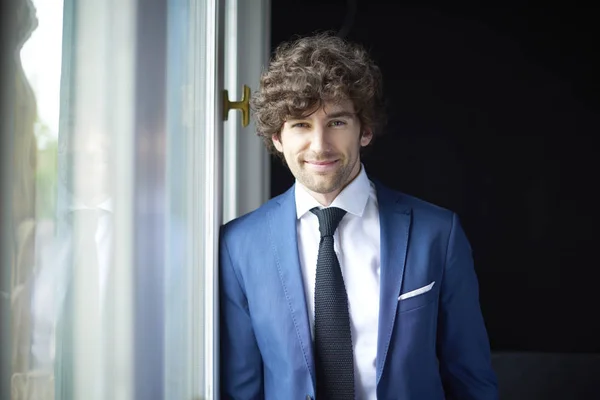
[333, 340]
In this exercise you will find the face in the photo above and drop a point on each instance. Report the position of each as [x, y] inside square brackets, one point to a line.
[322, 150]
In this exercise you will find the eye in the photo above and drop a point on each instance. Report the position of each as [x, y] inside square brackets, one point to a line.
[337, 122]
[300, 125]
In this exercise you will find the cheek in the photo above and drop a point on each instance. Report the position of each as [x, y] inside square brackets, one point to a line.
[292, 145]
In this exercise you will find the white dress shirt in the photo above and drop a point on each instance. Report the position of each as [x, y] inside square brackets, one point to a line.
[103, 236]
[356, 244]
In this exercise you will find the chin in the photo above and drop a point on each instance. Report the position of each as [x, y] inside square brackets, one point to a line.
[324, 188]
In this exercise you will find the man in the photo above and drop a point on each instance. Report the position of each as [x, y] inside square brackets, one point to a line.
[341, 288]
[77, 266]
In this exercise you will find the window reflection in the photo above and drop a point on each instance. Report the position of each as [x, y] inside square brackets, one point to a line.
[62, 217]
[77, 328]
[34, 149]
[84, 257]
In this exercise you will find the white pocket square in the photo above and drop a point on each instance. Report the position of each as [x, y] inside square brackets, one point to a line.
[416, 292]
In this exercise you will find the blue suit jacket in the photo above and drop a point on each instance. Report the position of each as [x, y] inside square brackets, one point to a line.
[430, 346]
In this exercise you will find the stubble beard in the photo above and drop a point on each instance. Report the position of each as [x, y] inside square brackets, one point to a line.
[327, 182]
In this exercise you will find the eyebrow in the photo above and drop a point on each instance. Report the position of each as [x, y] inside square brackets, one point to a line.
[339, 114]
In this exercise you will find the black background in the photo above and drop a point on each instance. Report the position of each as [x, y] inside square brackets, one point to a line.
[493, 113]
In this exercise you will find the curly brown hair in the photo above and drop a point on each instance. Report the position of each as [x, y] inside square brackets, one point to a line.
[309, 71]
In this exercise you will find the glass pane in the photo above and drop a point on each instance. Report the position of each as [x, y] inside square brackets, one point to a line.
[179, 167]
[115, 200]
[71, 128]
[179, 272]
[193, 156]
[36, 253]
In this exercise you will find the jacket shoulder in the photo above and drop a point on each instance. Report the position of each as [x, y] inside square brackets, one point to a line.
[252, 221]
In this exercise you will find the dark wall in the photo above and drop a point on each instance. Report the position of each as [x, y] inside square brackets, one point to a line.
[494, 114]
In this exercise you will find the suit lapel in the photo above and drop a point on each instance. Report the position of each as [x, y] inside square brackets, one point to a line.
[283, 234]
[394, 219]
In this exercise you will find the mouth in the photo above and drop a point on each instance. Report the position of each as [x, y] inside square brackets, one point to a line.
[322, 166]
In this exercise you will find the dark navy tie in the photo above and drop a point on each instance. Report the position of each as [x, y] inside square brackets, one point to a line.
[333, 340]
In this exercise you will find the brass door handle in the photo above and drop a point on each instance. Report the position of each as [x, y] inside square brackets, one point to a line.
[243, 106]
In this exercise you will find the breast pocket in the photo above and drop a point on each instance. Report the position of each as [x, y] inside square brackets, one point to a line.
[418, 297]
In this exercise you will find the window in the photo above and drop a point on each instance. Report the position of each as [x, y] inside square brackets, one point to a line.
[114, 192]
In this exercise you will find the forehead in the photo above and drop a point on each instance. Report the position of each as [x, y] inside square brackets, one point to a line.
[329, 109]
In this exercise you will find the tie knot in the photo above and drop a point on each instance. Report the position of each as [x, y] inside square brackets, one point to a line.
[329, 219]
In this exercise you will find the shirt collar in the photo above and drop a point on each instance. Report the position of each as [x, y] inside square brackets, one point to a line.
[353, 198]
[68, 202]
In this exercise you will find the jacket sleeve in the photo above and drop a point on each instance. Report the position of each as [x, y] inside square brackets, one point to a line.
[462, 341]
[241, 372]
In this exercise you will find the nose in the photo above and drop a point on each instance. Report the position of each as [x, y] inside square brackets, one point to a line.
[318, 141]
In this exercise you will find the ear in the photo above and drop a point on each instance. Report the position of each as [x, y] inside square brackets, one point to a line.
[277, 142]
[366, 137]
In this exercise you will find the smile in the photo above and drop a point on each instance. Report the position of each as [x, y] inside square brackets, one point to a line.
[322, 166]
